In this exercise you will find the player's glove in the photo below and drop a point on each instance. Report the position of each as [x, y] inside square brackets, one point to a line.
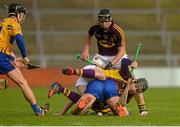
[68, 71]
[108, 66]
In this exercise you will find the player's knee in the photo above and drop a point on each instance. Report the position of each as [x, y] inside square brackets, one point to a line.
[125, 62]
[22, 82]
[84, 102]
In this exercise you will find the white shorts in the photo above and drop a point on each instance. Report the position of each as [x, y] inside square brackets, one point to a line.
[84, 81]
[102, 61]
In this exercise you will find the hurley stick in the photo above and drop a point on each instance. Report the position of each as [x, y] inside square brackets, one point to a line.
[88, 61]
[123, 99]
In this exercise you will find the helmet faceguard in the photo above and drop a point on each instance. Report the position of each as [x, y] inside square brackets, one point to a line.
[104, 15]
[15, 9]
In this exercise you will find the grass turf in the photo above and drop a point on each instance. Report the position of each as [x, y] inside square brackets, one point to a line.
[162, 104]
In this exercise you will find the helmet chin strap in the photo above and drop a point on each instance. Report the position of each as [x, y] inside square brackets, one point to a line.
[20, 17]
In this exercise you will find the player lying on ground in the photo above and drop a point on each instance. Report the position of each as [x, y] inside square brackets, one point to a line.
[81, 84]
[137, 86]
[10, 31]
[138, 97]
[67, 92]
[103, 90]
[121, 75]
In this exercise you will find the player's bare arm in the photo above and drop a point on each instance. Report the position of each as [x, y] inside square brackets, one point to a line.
[85, 52]
[121, 52]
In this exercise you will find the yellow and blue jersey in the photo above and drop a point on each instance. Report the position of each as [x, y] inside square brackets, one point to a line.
[9, 28]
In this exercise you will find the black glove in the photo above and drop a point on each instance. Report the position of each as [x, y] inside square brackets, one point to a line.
[108, 66]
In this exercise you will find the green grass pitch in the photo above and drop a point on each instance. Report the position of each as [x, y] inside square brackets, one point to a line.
[163, 105]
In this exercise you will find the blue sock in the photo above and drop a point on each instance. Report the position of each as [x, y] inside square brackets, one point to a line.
[36, 108]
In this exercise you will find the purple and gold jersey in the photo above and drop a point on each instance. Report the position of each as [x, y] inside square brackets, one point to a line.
[9, 28]
[108, 41]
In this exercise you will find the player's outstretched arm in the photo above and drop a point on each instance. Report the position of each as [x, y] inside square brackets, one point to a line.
[66, 107]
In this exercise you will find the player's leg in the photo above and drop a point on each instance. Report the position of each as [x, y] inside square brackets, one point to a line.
[111, 93]
[84, 103]
[112, 98]
[89, 71]
[112, 102]
[94, 90]
[125, 68]
[58, 88]
[81, 83]
[19, 79]
[119, 63]
[117, 108]
[98, 106]
[15, 74]
[74, 97]
[7, 67]
[86, 73]
[102, 61]
[81, 89]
